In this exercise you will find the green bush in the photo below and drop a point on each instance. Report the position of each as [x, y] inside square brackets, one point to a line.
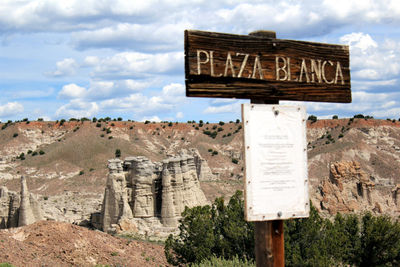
[15, 135]
[220, 262]
[312, 118]
[206, 231]
[220, 231]
[118, 153]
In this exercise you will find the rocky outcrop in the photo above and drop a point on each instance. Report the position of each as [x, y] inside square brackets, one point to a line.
[18, 210]
[203, 170]
[9, 206]
[148, 196]
[350, 189]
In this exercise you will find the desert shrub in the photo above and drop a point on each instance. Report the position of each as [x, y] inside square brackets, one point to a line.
[359, 116]
[221, 123]
[118, 153]
[312, 118]
[235, 161]
[220, 262]
[206, 231]
[15, 135]
[98, 124]
[41, 152]
[213, 134]
[335, 117]
[220, 231]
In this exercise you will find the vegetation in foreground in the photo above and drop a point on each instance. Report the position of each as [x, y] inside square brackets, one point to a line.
[210, 234]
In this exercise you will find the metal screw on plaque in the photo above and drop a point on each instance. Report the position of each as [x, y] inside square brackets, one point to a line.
[276, 112]
[279, 214]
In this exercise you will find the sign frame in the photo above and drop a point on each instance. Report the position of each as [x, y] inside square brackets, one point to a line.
[284, 147]
[246, 66]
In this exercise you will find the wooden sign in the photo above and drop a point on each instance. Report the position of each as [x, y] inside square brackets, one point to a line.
[254, 67]
[276, 180]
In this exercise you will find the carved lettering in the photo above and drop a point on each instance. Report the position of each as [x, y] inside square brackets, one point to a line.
[339, 73]
[229, 64]
[316, 70]
[279, 69]
[242, 66]
[199, 62]
[323, 72]
[303, 69]
[309, 70]
[212, 65]
[257, 65]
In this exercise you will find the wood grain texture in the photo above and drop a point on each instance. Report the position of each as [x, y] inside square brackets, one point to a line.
[257, 67]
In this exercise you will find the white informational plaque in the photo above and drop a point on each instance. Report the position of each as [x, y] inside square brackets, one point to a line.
[276, 162]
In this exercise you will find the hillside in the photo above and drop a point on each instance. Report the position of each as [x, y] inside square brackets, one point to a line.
[70, 172]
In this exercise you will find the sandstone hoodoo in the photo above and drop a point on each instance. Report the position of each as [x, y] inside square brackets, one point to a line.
[148, 197]
[18, 210]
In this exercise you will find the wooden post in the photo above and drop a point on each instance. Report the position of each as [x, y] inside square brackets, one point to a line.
[269, 238]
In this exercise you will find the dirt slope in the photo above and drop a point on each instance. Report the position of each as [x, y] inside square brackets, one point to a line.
[50, 243]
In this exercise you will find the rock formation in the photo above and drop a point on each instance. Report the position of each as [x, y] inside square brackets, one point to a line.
[350, 189]
[18, 210]
[9, 205]
[144, 194]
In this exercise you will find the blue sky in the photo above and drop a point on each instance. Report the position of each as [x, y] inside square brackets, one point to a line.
[123, 58]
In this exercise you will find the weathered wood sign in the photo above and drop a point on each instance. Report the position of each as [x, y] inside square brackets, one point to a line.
[251, 67]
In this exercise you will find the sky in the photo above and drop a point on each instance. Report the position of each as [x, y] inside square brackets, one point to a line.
[123, 58]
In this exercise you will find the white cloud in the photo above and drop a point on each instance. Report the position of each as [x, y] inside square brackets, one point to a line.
[132, 64]
[143, 37]
[170, 98]
[71, 91]
[66, 67]
[179, 115]
[173, 93]
[359, 40]
[370, 60]
[77, 109]
[153, 118]
[232, 108]
[11, 109]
